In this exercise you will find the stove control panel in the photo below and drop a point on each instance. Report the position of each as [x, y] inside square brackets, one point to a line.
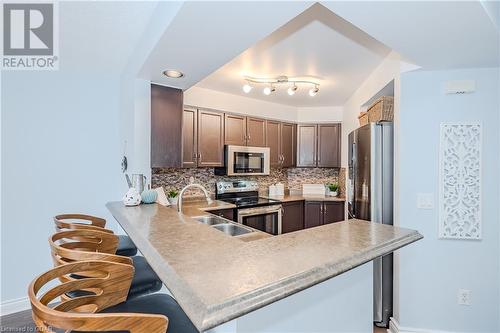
[237, 186]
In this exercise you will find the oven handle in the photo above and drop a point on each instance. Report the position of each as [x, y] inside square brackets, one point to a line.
[259, 210]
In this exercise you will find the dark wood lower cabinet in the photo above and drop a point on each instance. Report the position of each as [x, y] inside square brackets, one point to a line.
[318, 213]
[333, 211]
[293, 216]
[225, 213]
[313, 216]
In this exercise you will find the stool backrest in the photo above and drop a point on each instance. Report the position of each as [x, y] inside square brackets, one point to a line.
[83, 244]
[79, 221]
[80, 313]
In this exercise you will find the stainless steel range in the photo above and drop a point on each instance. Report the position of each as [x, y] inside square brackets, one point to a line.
[259, 213]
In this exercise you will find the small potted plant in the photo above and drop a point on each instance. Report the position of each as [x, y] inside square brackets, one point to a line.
[332, 189]
[172, 197]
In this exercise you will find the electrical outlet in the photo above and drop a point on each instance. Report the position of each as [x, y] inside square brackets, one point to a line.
[425, 200]
[463, 297]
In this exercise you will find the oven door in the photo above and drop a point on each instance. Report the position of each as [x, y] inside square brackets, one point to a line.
[241, 160]
[266, 219]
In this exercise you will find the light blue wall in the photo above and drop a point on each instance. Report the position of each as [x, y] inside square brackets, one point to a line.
[432, 270]
[60, 153]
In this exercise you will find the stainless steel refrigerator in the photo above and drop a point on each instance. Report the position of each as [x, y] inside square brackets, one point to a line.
[370, 197]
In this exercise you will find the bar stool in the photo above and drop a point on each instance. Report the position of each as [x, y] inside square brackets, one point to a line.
[102, 312]
[125, 246]
[86, 244]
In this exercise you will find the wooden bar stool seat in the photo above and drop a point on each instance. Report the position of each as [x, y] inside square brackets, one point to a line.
[81, 221]
[86, 244]
[108, 310]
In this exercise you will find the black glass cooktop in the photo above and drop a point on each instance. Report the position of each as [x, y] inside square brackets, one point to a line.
[251, 201]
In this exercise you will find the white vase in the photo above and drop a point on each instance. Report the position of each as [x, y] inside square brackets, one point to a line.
[331, 194]
[173, 201]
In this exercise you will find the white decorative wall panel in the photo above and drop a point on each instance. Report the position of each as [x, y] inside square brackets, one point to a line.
[460, 181]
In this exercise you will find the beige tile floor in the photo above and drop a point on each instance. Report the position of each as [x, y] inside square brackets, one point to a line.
[379, 330]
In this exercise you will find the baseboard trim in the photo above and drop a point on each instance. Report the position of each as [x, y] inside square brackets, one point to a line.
[14, 305]
[394, 327]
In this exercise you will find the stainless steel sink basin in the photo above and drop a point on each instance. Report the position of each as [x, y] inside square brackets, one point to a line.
[232, 229]
[210, 219]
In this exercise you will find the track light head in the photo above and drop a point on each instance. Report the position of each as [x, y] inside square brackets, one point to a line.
[313, 91]
[247, 88]
[291, 91]
[268, 90]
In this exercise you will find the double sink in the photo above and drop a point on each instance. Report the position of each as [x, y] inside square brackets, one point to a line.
[223, 225]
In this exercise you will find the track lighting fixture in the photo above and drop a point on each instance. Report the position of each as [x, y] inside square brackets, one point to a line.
[270, 82]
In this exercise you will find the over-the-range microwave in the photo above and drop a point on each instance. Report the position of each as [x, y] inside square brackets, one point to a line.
[245, 161]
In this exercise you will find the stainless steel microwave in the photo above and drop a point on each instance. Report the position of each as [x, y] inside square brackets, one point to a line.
[245, 161]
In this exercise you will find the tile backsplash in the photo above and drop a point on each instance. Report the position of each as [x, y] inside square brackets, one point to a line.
[293, 178]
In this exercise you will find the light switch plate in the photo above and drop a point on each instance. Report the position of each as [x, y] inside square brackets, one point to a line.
[425, 200]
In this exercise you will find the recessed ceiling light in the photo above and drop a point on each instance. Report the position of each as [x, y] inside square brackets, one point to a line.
[247, 88]
[173, 73]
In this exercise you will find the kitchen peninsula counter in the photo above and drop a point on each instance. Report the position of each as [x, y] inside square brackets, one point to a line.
[216, 278]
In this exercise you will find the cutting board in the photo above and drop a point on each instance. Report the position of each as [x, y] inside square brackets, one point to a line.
[313, 189]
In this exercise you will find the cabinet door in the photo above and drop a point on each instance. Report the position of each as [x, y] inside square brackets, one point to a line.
[225, 213]
[256, 132]
[313, 216]
[189, 138]
[166, 127]
[307, 147]
[333, 211]
[293, 216]
[210, 139]
[288, 144]
[235, 130]
[329, 145]
[273, 141]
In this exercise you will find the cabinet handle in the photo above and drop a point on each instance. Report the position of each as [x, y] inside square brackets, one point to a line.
[199, 156]
[324, 209]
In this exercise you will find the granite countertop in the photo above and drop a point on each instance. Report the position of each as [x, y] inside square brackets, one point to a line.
[301, 197]
[216, 278]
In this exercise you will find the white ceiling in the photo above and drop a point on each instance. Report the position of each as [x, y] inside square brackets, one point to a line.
[432, 34]
[316, 43]
[203, 36]
[100, 36]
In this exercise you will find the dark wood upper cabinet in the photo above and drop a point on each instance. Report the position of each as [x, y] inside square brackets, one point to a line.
[288, 144]
[329, 145]
[333, 211]
[235, 131]
[210, 139]
[319, 145]
[313, 215]
[273, 141]
[307, 145]
[293, 216]
[190, 139]
[256, 132]
[166, 126]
